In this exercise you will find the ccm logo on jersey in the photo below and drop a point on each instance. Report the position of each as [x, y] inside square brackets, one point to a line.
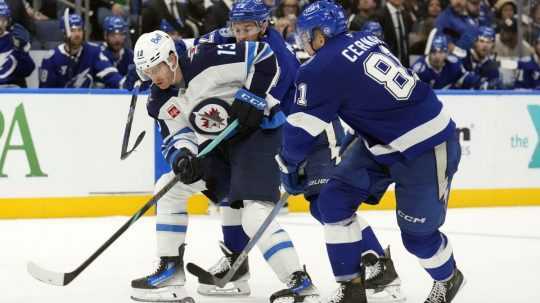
[210, 116]
[173, 111]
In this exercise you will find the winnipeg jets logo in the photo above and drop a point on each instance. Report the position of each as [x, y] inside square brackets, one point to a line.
[210, 116]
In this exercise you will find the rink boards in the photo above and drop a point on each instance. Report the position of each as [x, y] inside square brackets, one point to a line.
[60, 153]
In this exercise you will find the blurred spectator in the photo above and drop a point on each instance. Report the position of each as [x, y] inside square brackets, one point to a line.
[107, 8]
[487, 16]
[506, 42]
[15, 62]
[287, 8]
[535, 24]
[33, 13]
[474, 9]
[287, 27]
[480, 60]
[114, 48]
[19, 14]
[505, 9]
[76, 63]
[181, 15]
[217, 15]
[414, 7]
[529, 69]
[460, 29]
[374, 28]
[421, 30]
[396, 23]
[441, 70]
[362, 11]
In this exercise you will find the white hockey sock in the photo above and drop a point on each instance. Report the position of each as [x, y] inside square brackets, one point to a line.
[275, 244]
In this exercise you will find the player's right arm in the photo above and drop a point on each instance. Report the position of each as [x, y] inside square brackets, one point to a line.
[48, 74]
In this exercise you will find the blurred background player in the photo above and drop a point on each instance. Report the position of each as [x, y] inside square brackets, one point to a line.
[529, 69]
[480, 60]
[374, 28]
[183, 101]
[405, 138]
[76, 63]
[15, 61]
[441, 70]
[458, 26]
[115, 48]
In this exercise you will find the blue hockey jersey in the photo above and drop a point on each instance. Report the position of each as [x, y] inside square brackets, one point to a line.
[122, 62]
[356, 78]
[60, 69]
[15, 64]
[528, 72]
[452, 75]
[460, 29]
[213, 75]
[487, 69]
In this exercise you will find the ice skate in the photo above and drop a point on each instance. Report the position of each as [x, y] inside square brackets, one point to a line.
[445, 291]
[238, 286]
[349, 292]
[299, 289]
[382, 281]
[166, 284]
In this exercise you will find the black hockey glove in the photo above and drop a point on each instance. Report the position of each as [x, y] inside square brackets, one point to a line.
[248, 108]
[187, 166]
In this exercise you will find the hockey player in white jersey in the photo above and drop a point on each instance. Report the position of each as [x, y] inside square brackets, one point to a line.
[192, 99]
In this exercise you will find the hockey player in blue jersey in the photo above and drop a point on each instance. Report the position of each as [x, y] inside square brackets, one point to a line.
[76, 63]
[480, 60]
[441, 70]
[458, 26]
[374, 28]
[115, 30]
[405, 138]
[192, 99]
[249, 22]
[15, 61]
[529, 69]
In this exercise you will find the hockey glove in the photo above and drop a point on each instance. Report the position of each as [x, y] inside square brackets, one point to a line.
[248, 108]
[187, 166]
[292, 179]
[20, 37]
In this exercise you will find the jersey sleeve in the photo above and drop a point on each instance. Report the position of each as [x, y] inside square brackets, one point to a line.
[25, 64]
[314, 108]
[106, 72]
[262, 68]
[174, 130]
[48, 75]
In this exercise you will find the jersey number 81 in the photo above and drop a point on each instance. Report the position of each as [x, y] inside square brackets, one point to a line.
[386, 70]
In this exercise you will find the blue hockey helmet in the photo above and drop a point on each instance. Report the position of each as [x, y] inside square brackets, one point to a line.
[71, 21]
[326, 16]
[486, 32]
[249, 10]
[374, 28]
[439, 43]
[115, 24]
[165, 26]
[4, 10]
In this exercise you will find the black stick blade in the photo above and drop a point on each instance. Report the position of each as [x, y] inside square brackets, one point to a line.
[202, 274]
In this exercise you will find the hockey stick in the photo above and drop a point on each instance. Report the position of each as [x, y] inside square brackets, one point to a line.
[127, 130]
[201, 273]
[62, 279]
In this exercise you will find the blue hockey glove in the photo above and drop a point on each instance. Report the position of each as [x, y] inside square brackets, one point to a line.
[20, 36]
[248, 108]
[187, 166]
[292, 178]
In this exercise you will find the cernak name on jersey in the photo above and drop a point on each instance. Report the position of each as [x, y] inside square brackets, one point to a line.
[356, 49]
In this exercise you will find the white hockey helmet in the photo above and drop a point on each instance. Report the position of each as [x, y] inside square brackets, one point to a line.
[151, 49]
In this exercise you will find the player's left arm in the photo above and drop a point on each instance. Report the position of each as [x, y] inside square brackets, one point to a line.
[316, 105]
[106, 72]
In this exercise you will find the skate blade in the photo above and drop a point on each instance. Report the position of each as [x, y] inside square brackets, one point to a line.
[171, 294]
[304, 299]
[390, 294]
[237, 288]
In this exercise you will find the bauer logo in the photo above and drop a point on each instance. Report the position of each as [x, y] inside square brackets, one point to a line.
[534, 111]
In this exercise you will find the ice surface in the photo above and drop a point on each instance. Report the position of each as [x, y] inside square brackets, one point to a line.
[497, 249]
